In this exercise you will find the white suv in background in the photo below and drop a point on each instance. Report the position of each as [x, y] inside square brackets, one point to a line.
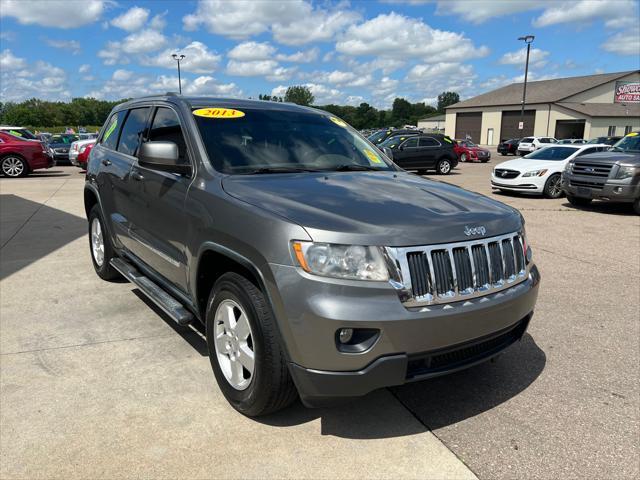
[531, 144]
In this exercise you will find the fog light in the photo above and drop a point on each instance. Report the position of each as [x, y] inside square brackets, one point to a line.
[529, 254]
[345, 335]
[617, 189]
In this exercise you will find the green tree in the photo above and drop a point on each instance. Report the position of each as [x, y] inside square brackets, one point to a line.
[299, 94]
[447, 98]
[401, 111]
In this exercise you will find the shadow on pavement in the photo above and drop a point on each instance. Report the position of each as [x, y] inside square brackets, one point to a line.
[611, 208]
[31, 231]
[436, 403]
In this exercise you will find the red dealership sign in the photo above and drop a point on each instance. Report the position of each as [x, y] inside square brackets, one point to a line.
[627, 92]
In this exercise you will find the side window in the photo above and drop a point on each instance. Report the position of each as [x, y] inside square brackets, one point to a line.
[411, 143]
[133, 130]
[110, 137]
[166, 127]
[429, 142]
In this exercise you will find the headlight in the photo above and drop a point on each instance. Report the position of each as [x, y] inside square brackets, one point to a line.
[626, 172]
[535, 173]
[568, 166]
[352, 262]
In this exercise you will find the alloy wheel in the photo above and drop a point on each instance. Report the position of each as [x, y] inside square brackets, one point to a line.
[12, 167]
[554, 186]
[234, 344]
[97, 242]
[445, 167]
[463, 157]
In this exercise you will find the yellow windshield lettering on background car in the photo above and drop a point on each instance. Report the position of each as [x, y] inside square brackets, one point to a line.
[218, 113]
[337, 121]
[111, 128]
[372, 156]
[447, 139]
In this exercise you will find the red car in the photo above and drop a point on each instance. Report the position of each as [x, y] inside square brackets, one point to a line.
[19, 157]
[470, 152]
[83, 156]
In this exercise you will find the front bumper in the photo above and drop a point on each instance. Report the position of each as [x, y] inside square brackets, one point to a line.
[310, 310]
[585, 187]
[519, 184]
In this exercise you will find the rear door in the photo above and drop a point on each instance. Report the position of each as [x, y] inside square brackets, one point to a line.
[429, 150]
[159, 222]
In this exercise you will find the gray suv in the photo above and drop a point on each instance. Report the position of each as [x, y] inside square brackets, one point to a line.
[318, 267]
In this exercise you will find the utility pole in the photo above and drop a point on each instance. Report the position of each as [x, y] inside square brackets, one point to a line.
[527, 39]
[177, 58]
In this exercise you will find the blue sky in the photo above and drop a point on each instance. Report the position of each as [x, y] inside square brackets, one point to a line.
[347, 52]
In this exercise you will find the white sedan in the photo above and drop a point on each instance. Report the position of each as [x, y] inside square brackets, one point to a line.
[540, 171]
[77, 148]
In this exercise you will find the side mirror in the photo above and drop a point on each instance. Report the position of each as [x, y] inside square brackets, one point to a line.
[162, 156]
[388, 152]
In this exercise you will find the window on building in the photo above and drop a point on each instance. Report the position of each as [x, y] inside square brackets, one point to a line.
[612, 131]
[628, 129]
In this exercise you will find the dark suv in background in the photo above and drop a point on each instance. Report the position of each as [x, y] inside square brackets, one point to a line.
[425, 152]
[611, 176]
[317, 266]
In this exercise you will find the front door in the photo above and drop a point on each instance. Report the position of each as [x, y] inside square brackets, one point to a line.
[428, 148]
[159, 224]
[490, 136]
[405, 155]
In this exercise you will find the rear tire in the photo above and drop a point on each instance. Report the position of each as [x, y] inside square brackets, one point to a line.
[579, 201]
[636, 206]
[463, 157]
[100, 247]
[552, 187]
[266, 385]
[14, 166]
[444, 167]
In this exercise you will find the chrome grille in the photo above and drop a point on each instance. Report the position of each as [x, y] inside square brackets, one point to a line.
[454, 272]
[505, 173]
[591, 169]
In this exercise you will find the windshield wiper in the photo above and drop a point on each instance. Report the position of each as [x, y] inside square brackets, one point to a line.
[353, 167]
[264, 170]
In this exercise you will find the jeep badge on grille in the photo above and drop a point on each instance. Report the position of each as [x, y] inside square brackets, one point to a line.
[468, 231]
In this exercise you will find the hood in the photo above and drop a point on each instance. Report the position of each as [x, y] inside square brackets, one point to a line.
[59, 145]
[527, 164]
[477, 149]
[374, 208]
[610, 157]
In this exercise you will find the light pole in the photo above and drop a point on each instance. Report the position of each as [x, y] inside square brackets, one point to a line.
[527, 39]
[177, 58]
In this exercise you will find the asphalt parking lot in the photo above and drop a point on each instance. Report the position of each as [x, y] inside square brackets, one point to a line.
[97, 383]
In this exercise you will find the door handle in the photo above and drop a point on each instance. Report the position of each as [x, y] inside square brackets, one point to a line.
[137, 176]
[106, 162]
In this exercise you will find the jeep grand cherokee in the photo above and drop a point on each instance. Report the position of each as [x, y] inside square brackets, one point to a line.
[318, 267]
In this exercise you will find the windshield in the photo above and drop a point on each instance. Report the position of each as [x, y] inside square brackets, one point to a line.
[629, 143]
[552, 153]
[22, 133]
[63, 139]
[274, 141]
[395, 140]
[378, 136]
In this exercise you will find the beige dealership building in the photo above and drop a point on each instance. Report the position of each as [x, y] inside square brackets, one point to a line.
[574, 107]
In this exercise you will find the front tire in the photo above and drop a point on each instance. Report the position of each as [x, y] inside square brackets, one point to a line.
[463, 157]
[100, 246]
[244, 350]
[444, 167]
[552, 187]
[636, 206]
[14, 166]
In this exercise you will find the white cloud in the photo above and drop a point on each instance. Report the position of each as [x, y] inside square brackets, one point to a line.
[479, 11]
[72, 46]
[584, 11]
[198, 58]
[406, 37]
[144, 41]
[206, 85]
[112, 54]
[53, 13]
[294, 22]
[20, 80]
[323, 94]
[159, 21]
[7, 36]
[306, 56]
[121, 75]
[84, 68]
[9, 62]
[131, 20]
[281, 74]
[438, 71]
[626, 42]
[249, 51]
[537, 58]
[340, 78]
[252, 68]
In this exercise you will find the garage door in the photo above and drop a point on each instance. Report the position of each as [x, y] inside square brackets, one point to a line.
[509, 126]
[468, 125]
